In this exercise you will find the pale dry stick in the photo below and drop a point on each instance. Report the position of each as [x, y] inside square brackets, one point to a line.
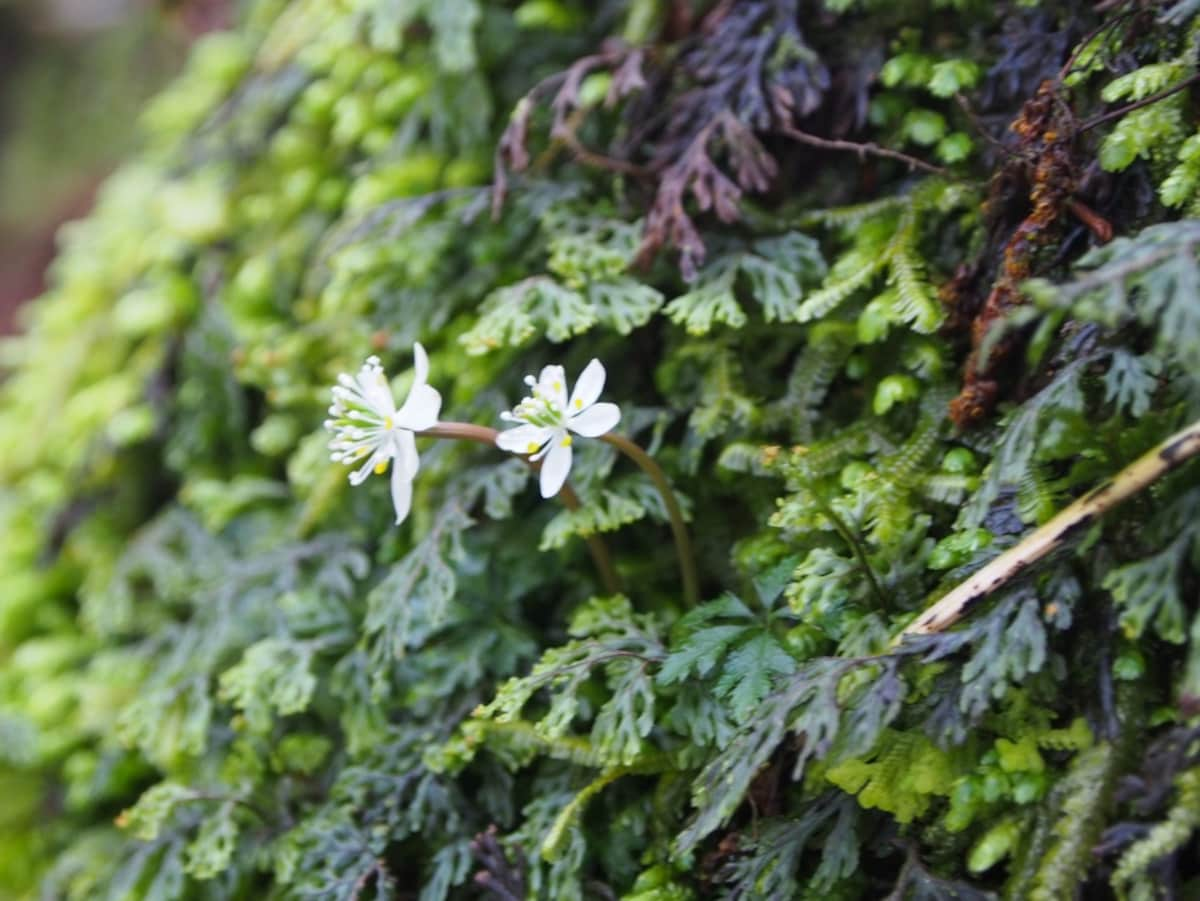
[683, 544]
[1068, 524]
[481, 434]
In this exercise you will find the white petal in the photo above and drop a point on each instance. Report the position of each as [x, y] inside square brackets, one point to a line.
[587, 387]
[407, 460]
[377, 392]
[421, 409]
[524, 439]
[420, 364]
[554, 469]
[552, 383]
[595, 420]
[401, 494]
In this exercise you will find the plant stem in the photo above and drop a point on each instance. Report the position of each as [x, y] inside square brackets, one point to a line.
[856, 547]
[1068, 524]
[683, 544]
[862, 150]
[1145, 101]
[481, 434]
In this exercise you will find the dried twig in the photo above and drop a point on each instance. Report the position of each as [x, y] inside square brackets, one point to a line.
[965, 105]
[1055, 534]
[868, 149]
[1145, 101]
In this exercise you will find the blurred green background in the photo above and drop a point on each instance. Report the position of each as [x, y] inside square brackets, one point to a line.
[74, 75]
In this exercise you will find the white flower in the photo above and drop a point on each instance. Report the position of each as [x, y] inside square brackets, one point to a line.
[547, 418]
[367, 427]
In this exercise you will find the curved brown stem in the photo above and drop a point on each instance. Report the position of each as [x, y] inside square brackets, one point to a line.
[869, 149]
[481, 434]
[683, 544]
[1145, 101]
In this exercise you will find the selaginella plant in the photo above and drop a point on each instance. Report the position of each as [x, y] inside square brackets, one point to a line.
[887, 312]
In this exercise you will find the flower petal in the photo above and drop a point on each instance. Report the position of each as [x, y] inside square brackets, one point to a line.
[587, 387]
[420, 410]
[420, 364]
[524, 439]
[374, 388]
[407, 460]
[401, 493]
[552, 383]
[595, 420]
[554, 469]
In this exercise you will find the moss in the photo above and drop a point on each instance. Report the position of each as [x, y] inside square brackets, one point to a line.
[224, 673]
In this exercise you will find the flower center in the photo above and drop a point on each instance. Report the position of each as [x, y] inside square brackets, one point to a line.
[541, 411]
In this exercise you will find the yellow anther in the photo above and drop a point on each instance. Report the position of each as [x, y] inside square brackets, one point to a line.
[381, 467]
[387, 422]
[579, 403]
[558, 386]
[531, 447]
[360, 453]
[566, 442]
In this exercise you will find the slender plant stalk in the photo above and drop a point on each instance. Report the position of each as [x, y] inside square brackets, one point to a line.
[856, 548]
[1067, 525]
[481, 434]
[683, 544]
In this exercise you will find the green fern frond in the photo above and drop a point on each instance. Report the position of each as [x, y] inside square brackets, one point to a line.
[773, 271]
[848, 218]
[916, 301]
[851, 273]
[513, 315]
[709, 301]
[829, 345]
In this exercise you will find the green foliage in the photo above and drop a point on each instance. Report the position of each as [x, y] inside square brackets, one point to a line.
[1131, 877]
[776, 272]
[907, 773]
[727, 637]
[587, 286]
[291, 697]
[1147, 132]
[885, 243]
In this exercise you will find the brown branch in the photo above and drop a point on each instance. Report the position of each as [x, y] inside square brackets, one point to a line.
[977, 124]
[868, 149]
[1092, 35]
[1145, 101]
[599, 160]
